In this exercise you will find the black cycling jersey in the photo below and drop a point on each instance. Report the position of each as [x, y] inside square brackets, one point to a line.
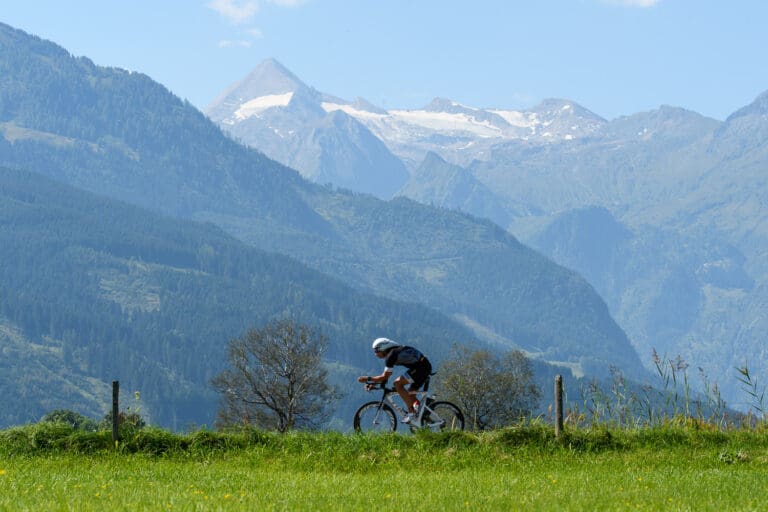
[404, 356]
[419, 367]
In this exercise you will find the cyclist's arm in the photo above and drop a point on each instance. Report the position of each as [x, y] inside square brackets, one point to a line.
[384, 377]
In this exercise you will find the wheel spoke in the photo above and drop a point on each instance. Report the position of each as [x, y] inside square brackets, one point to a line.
[373, 417]
[444, 416]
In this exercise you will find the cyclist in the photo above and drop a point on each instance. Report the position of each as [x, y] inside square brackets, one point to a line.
[395, 354]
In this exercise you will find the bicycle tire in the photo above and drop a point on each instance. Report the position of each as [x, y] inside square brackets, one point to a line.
[374, 417]
[449, 417]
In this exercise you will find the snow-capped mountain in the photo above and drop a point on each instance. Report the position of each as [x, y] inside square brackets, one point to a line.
[460, 133]
[275, 112]
[269, 85]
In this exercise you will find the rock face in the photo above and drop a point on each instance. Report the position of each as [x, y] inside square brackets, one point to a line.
[274, 112]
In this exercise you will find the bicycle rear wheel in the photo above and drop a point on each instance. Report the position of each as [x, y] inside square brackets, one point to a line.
[444, 416]
[375, 417]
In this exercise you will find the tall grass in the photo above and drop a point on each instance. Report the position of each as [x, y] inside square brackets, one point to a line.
[343, 449]
[671, 400]
[54, 467]
[630, 448]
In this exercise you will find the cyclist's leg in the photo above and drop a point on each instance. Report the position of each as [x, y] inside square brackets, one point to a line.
[415, 378]
[400, 386]
[419, 375]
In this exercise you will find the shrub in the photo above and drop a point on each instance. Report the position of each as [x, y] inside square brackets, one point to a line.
[74, 419]
[126, 422]
[153, 441]
[206, 441]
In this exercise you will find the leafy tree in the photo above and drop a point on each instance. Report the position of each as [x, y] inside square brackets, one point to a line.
[276, 379]
[493, 390]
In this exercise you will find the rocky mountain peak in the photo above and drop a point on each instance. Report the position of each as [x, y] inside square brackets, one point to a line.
[556, 107]
[270, 79]
[759, 107]
[444, 105]
[745, 130]
[367, 106]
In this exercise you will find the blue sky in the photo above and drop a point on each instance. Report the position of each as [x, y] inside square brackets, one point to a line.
[614, 57]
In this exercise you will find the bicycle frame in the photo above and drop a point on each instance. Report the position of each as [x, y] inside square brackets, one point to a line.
[424, 397]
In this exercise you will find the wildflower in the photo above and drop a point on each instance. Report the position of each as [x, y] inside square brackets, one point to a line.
[2, 472]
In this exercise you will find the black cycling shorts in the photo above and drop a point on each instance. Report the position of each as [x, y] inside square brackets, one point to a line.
[419, 374]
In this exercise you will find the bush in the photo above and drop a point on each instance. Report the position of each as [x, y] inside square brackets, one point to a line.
[126, 422]
[87, 442]
[206, 441]
[45, 435]
[40, 437]
[74, 419]
[153, 441]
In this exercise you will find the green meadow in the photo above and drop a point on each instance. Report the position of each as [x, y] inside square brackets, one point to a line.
[52, 467]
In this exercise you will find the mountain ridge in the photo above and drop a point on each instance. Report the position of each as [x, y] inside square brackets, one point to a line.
[158, 152]
[675, 179]
[410, 134]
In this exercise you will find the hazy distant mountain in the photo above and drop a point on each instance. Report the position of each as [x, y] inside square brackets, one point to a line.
[744, 131]
[124, 136]
[678, 294]
[262, 111]
[461, 134]
[691, 191]
[687, 191]
[274, 112]
[446, 185]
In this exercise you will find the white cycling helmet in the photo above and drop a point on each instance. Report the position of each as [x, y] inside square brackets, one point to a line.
[384, 344]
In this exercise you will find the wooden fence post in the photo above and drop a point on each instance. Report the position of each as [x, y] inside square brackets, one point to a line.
[558, 405]
[115, 411]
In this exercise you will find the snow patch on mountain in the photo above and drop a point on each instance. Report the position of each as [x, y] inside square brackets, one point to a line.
[352, 111]
[396, 124]
[257, 105]
[448, 122]
[516, 118]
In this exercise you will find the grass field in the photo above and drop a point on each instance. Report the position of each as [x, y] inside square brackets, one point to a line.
[514, 469]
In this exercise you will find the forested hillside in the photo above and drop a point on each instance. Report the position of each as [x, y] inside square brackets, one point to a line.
[95, 290]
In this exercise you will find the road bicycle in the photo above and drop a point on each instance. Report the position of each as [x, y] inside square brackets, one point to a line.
[382, 415]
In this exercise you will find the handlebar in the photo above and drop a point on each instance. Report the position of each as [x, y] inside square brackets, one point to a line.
[371, 385]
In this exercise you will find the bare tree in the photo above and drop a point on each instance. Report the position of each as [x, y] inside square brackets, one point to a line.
[276, 379]
[493, 391]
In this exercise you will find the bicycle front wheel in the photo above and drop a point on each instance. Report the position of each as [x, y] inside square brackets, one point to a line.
[375, 417]
[444, 416]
